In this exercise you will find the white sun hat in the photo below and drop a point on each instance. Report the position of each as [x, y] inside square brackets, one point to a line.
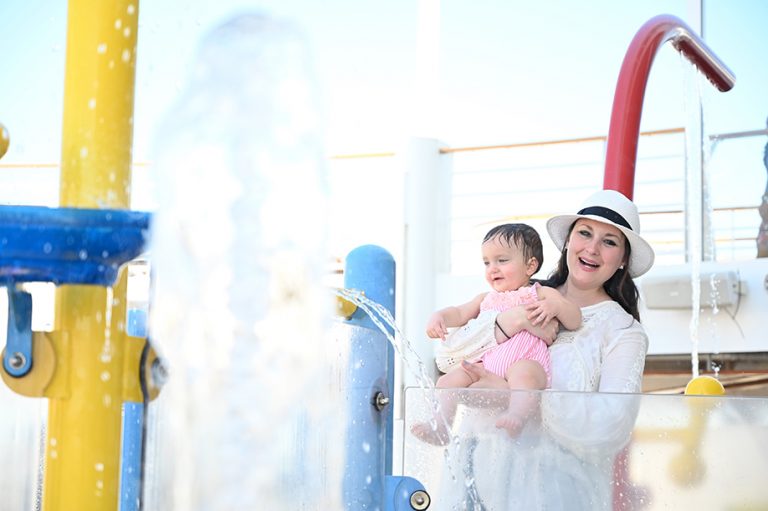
[612, 208]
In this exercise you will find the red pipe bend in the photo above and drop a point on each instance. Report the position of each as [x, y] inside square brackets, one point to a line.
[624, 131]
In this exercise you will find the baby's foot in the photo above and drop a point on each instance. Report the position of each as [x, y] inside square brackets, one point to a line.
[512, 422]
[437, 435]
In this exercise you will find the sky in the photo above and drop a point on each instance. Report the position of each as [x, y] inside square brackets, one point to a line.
[501, 71]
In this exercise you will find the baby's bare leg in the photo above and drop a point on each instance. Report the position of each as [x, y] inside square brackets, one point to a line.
[522, 375]
[436, 431]
[526, 375]
[456, 378]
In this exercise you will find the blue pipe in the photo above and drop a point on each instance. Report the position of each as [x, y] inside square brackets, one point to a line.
[131, 457]
[131, 449]
[369, 269]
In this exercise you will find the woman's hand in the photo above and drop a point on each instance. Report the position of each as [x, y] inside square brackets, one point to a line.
[516, 320]
[482, 378]
[541, 312]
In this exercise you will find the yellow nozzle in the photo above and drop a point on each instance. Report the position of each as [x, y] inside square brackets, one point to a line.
[344, 308]
[704, 386]
[5, 140]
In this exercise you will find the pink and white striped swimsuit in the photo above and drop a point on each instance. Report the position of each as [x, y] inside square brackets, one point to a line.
[521, 346]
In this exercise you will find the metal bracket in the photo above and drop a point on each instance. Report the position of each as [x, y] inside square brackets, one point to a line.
[17, 356]
[380, 401]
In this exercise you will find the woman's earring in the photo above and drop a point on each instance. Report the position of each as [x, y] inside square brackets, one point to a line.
[621, 267]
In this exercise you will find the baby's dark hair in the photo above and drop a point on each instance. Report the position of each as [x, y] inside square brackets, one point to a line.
[523, 236]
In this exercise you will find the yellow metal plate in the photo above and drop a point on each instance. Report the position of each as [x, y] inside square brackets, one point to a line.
[33, 384]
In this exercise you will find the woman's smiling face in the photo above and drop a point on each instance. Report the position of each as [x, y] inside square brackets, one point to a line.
[595, 252]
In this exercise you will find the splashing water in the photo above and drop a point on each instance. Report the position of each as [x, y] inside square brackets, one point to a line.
[697, 208]
[384, 321]
[239, 310]
[714, 296]
[106, 350]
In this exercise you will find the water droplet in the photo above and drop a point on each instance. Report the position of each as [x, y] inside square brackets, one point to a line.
[127, 32]
[54, 454]
[118, 23]
[83, 254]
[92, 103]
[366, 447]
[53, 442]
[105, 376]
[368, 479]
[131, 9]
[99, 484]
[107, 399]
[99, 467]
[47, 248]
[102, 48]
[126, 55]
[104, 254]
[83, 152]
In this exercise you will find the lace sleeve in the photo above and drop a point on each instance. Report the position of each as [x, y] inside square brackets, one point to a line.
[624, 359]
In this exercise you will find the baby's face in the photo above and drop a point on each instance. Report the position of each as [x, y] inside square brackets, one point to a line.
[505, 267]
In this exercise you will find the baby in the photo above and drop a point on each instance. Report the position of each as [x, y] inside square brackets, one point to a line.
[512, 253]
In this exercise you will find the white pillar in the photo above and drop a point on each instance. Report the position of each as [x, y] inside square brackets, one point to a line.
[427, 243]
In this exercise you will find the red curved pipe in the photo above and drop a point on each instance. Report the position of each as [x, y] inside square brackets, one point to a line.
[624, 131]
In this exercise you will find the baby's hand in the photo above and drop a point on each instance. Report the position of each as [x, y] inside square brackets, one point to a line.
[436, 328]
[541, 312]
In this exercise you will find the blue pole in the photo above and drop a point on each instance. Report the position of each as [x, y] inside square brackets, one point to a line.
[369, 269]
[132, 431]
[130, 457]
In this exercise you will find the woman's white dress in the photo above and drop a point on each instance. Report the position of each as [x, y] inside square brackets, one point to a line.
[563, 459]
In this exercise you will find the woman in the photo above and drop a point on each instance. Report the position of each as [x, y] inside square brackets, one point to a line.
[601, 251]
[567, 460]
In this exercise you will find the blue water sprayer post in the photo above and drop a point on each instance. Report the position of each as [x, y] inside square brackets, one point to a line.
[370, 378]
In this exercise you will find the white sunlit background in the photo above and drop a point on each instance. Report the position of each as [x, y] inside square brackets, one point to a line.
[517, 94]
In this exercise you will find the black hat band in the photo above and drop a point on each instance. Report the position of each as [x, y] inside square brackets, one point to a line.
[606, 213]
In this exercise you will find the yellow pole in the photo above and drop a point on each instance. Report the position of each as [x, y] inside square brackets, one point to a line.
[84, 414]
[98, 103]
